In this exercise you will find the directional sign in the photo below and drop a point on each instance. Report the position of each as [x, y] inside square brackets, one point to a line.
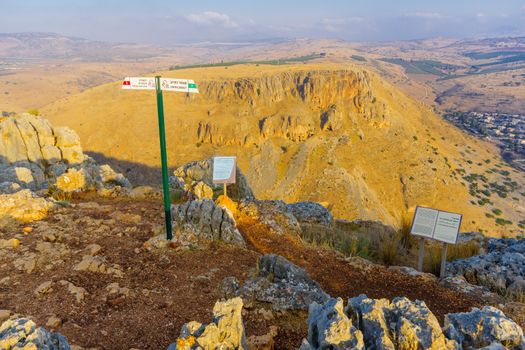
[180, 85]
[436, 224]
[138, 83]
[224, 170]
[159, 84]
[166, 84]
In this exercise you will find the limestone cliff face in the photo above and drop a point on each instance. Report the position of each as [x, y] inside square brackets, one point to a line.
[319, 88]
[290, 105]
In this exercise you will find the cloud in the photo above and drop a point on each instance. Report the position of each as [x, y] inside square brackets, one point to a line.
[335, 24]
[425, 15]
[210, 18]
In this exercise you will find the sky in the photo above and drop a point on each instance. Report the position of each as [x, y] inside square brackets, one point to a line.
[191, 21]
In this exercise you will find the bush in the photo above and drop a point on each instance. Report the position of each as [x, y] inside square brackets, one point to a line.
[388, 249]
[432, 262]
[405, 238]
[335, 238]
[33, 111]
[177, 196]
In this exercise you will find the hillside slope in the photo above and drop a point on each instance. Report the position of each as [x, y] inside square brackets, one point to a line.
[330, 133]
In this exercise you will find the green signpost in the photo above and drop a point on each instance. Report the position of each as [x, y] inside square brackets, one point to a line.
[159, 84]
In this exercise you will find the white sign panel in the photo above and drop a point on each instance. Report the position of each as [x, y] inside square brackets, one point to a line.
[138, 83]
[447, 227]
[424, 222]
[179, 85]
[436, 224]
[224, 170]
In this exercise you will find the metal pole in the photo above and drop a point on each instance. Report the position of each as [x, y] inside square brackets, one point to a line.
[421, 254]
[225, 191]
[443, 260]
[165, 178]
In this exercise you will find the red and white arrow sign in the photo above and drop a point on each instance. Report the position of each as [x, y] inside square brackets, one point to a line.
[138, 83]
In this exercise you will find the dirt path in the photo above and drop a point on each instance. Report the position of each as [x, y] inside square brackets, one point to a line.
[339, 279]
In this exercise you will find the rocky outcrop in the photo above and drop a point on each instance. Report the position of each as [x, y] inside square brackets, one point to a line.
[311, 213]
[330, 328]
[460, 284]
[282, 284]
[293, 128]
[201, 221]
[36, 156]
[501, 269]
[23, 206]
[273, 214]
[379, 324]
[226, 331]
[488, 327]
[22, 333]
[319, 88]
[400, 324]
[332, 119]
[196, 179]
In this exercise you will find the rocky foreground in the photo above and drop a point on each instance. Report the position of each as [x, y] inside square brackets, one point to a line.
[91, 272]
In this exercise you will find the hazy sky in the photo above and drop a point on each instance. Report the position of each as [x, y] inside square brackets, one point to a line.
[174, 21]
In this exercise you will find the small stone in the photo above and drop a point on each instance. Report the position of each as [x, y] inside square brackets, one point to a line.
[4, 315]
[44, 288]
[93, 249]
[265, 341]
[48, 237]
[53, 322]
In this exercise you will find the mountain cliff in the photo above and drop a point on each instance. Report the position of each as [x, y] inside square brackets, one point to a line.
[326, 133]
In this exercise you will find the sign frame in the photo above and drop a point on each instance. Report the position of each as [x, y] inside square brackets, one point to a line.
[435, 224]
[445, 243]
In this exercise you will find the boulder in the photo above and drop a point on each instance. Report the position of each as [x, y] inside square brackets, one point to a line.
[371, 318]
[460, 284]
[330, 328]
[400, 324]
[410, 271]
[311, 213]
[416, 327]
[23, 206]
[36, 156]
[272, 213]
[282, 284]
[484, 328]
[226, 331]
[22, 333]
[201, 222]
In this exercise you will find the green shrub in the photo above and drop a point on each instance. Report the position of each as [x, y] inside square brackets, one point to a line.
[405, 238]
[177, 196]
[33, 111]
[388, 249]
